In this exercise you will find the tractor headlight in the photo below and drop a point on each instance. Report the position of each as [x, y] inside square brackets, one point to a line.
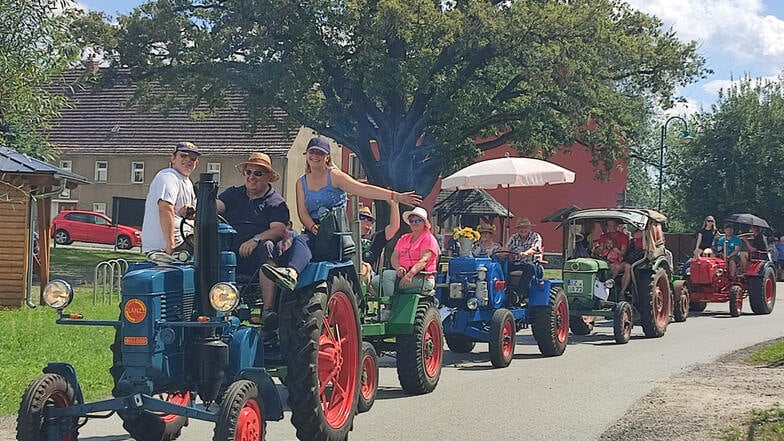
[609, 283]
[719, 272]
[224, 297]
[58, 294]
[472, 303]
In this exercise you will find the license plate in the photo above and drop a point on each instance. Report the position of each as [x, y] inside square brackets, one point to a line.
[574, 286]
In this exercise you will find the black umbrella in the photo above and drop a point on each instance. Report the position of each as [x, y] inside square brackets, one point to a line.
[747, 219]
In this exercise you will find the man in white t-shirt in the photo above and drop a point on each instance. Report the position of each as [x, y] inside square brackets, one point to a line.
[170, 198]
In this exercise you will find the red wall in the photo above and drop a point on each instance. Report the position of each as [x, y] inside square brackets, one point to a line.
[537, 202]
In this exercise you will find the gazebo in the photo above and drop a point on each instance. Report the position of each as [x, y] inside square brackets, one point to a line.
[26, 188]
[468, 207]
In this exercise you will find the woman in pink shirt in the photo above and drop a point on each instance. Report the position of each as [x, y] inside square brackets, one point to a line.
[414, 252]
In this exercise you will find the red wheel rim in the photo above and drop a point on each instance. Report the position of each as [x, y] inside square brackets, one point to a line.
[369, 380]
[626, 322]
[769, 286]
[431, 348]
[660, 303]
[250, 423]
[177, 398]
[562, 322]
[58, 399]
[684, 299]
[338, 360]
[507, 335]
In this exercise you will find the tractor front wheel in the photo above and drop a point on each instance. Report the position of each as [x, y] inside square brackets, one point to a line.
[369, 381]
[762, 292]
[46, 391]
[324, 361]
[736, 300]
[502, 338]
[622, 322]
[419, 354]
[655, 306]
[681, 298]
[459, 344]
[551, 323]
[240, 417]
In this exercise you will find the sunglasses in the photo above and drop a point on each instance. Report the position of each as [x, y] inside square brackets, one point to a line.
[191, 156]
[709, 220]
[257, 173]
[414, 220]
[363, 217]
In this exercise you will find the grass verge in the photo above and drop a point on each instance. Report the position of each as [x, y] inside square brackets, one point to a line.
[764, 424]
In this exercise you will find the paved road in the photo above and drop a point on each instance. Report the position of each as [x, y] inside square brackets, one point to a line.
[572, 397]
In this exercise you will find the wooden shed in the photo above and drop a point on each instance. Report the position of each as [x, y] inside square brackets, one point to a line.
[26, 188]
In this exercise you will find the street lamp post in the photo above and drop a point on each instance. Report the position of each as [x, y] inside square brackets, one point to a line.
[661, 151]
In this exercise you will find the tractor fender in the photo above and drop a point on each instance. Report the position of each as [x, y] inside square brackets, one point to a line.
[756, 268]
[317, 272]
[67, 371]
[540, 291]
[272, 404]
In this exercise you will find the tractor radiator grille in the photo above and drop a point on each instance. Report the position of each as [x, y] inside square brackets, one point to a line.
[178, 307]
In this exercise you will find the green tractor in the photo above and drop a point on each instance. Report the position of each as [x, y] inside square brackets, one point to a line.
[635, 290]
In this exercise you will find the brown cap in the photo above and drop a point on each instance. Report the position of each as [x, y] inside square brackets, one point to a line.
[262, 160]
[523, 222]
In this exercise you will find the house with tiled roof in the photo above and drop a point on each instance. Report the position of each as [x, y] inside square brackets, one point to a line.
[120, 147]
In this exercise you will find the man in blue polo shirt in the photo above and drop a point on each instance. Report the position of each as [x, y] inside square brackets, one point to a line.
[732, 252]
[260, 215]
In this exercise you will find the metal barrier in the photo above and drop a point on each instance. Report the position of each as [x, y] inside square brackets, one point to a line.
[110, 272]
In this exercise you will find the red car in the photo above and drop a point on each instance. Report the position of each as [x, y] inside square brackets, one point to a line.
[93, 227]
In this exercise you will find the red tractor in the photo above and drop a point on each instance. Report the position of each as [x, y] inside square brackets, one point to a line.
[708, 280]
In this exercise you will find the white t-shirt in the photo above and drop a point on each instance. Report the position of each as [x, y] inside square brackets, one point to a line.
[170, 186]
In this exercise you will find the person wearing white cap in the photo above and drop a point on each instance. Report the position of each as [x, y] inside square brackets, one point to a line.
[414, 252]
[321, 189]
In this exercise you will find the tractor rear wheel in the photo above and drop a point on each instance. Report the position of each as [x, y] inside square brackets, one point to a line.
[459, 344]
[762, 292]
[369, 381]
[419, 354]
[324, 361]
[551, 323]
[680, 306]
[736, 300]
[502, 338]
[622, 322]
[46, 391]
[147, 426]
[654, 306]
[581, 324]
[240, 417]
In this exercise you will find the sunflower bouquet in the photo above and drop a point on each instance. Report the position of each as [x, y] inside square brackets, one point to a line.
[466, 233]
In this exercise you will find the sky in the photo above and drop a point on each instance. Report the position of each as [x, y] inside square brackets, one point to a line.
[737, 37]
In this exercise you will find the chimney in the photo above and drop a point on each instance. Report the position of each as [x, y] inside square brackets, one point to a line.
[91, 67]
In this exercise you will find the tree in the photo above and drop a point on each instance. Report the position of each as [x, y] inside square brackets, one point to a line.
[434, 83]
[734, 163]
[35, 44]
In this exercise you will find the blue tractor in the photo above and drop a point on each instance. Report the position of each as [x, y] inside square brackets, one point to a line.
[481, 303]
[185, 347]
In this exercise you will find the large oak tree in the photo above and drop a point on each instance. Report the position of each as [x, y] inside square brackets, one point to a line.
[432, 82]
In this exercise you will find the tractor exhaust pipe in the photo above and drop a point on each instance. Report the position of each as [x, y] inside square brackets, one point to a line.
[206, 242]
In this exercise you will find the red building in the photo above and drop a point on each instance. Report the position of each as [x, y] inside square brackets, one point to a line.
[535, 203]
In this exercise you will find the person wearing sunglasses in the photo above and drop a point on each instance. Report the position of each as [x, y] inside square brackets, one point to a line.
[169, 199]
[260, 216]
[320, 190]
[706, 236]
[414, 252]
[373, 243]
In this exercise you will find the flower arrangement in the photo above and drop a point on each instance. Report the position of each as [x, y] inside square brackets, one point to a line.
[466, 233]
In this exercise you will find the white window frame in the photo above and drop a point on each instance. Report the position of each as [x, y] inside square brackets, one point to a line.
[101, 173]
[66, 164]
[99, 207]
[134, 171]
[355, 169]
[215, 169]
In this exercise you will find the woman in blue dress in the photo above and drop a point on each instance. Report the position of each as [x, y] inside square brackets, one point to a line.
[322, 188]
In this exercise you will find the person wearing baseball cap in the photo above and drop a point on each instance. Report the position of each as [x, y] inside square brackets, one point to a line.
[260, 215]
[169, 199]
[321, 193]
[373, 243]
[525, 246]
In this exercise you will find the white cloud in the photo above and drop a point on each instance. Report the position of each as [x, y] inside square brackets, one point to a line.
[736, 27]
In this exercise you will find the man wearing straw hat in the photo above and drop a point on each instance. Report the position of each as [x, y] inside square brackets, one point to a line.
[525, 246]
[260, 215]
